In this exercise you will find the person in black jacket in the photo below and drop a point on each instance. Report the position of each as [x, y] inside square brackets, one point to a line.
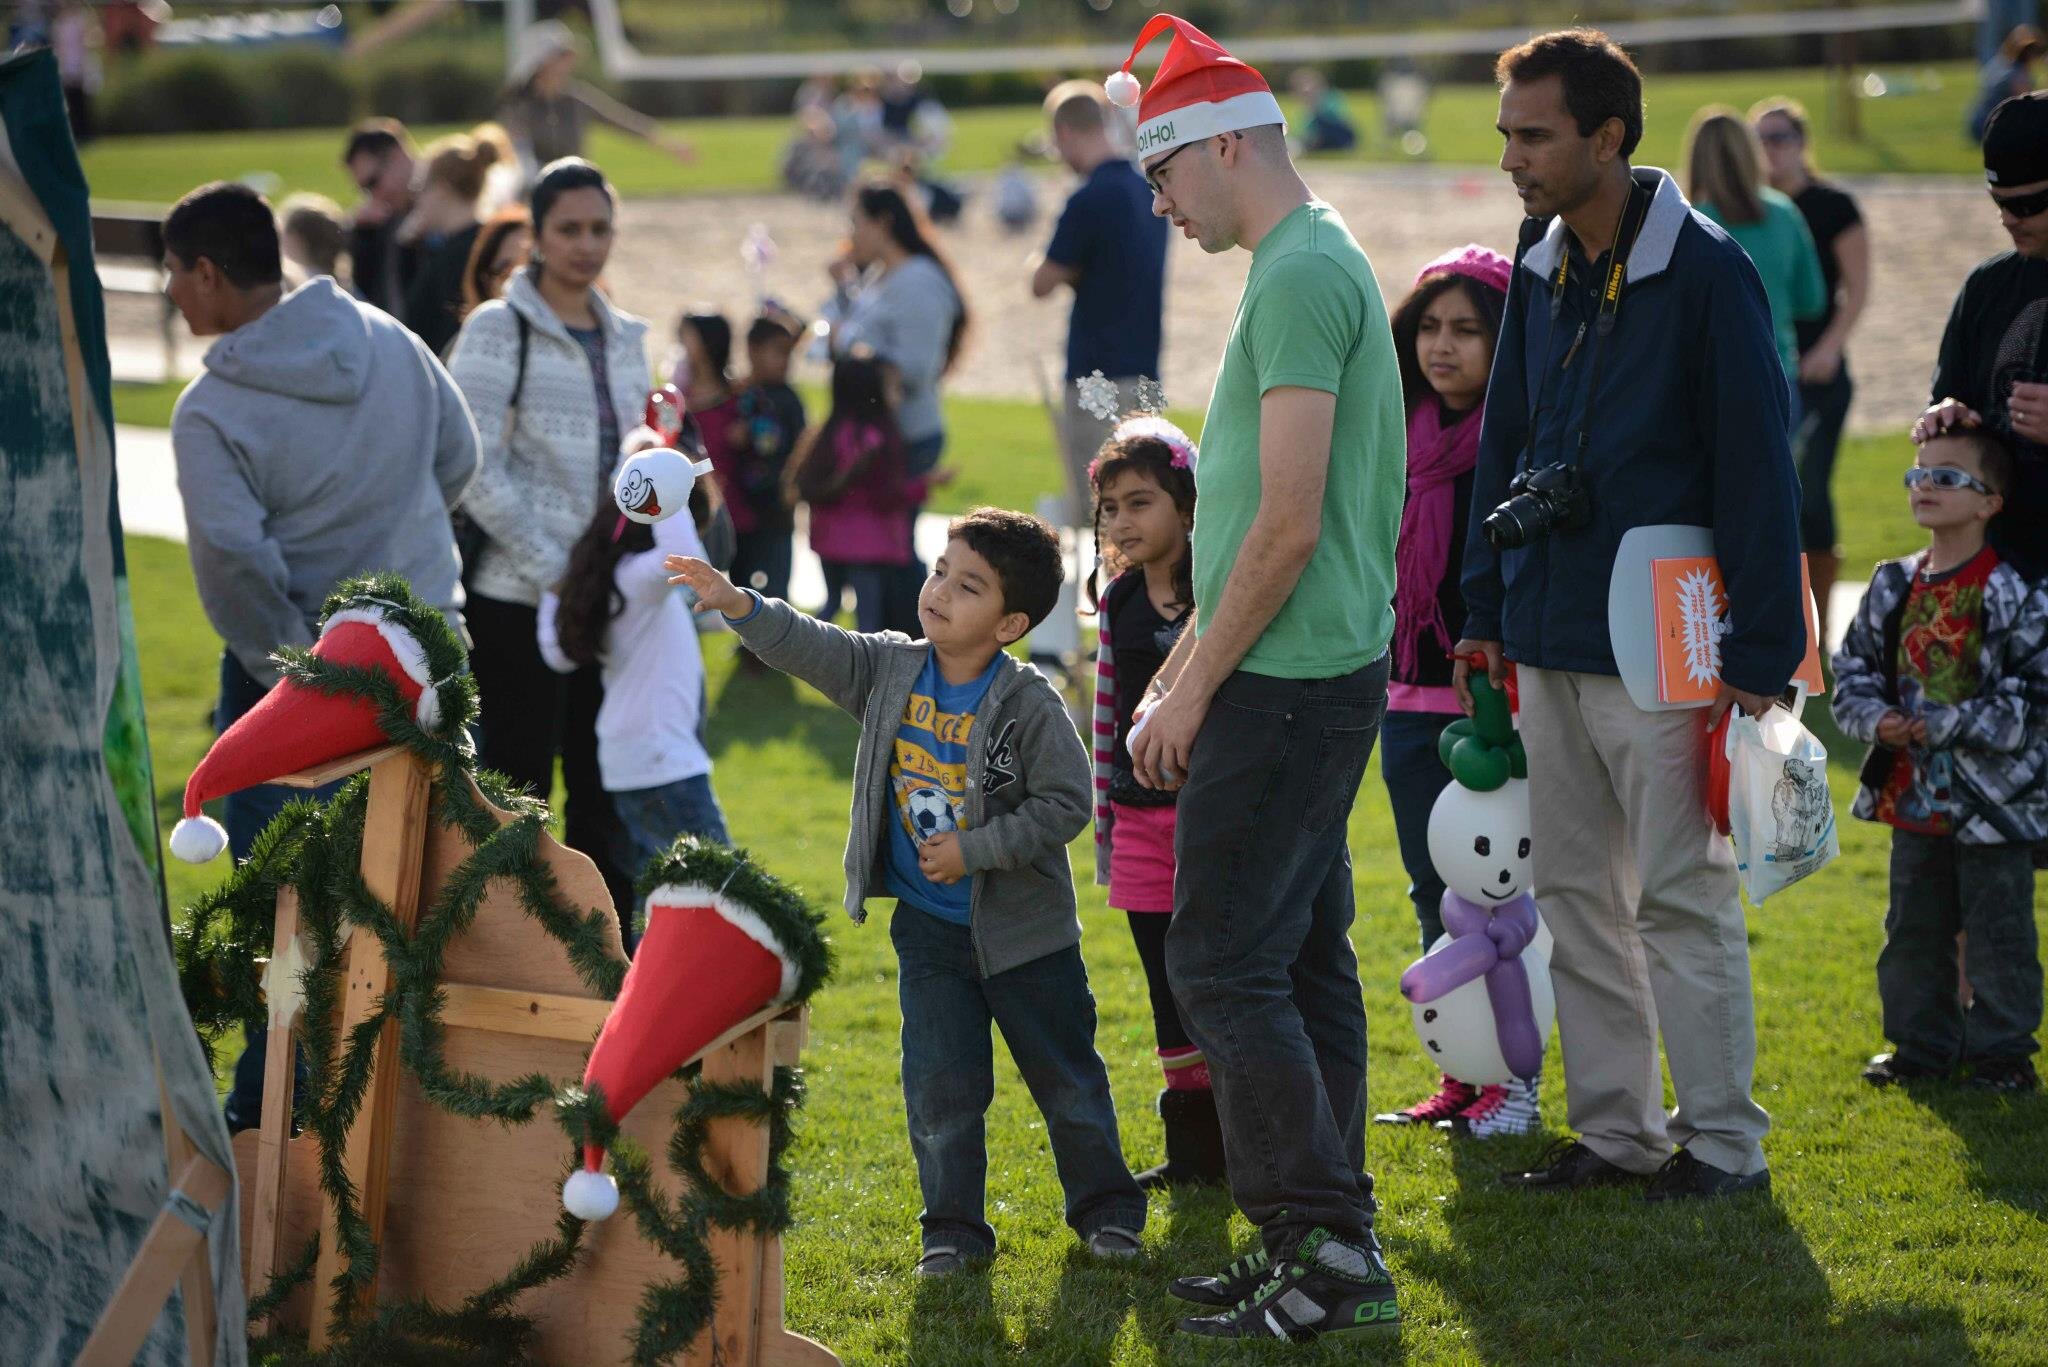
[1638, 373]
[1993, 369]
[379, 156]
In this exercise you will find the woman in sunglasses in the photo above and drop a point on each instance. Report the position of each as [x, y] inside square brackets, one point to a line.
[1843, 242]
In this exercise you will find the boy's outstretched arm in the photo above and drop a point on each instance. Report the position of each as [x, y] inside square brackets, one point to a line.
[838, 663]
[1058, 785]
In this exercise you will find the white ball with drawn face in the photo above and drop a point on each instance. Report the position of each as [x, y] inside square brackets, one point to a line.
[1479, 842]
[655, 484]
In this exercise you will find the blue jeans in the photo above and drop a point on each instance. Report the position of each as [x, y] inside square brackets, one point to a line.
[1260, 951]
[245, 815]
[650, 819]
[871, 585]
[1415, 776]
[762, 562]
[1047, 1016]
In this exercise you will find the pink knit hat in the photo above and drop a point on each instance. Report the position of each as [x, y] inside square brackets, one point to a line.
[1473, 261]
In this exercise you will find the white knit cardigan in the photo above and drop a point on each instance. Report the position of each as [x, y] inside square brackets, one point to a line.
[540, 479]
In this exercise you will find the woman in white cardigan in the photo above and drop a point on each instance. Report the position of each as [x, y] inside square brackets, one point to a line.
[555, 376]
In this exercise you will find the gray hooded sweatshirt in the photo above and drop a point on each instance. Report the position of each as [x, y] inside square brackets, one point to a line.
[322, 441]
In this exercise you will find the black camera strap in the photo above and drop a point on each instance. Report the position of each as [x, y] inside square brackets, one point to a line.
[1626, 230]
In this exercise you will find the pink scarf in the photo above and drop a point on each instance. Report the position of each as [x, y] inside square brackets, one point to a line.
[1436, 457]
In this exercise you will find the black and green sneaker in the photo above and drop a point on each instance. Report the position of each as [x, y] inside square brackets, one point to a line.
[1329, 1287]
[1227, 1287]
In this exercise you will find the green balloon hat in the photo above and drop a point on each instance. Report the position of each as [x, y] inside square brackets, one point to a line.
[1483, 751]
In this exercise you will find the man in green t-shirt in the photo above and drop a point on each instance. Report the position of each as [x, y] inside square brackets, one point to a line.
[1273, 702]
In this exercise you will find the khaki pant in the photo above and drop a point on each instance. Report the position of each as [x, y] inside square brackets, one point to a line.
[1639, 891]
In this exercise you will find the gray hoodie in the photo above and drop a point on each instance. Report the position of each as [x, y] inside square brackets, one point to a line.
[322, 441]
[1028, 782]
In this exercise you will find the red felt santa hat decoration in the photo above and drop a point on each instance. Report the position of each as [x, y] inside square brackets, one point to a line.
[708, 961]
[370, 624]
[1200, 90]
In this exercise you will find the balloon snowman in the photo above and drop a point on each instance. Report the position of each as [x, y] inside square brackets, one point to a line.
[1481, 997]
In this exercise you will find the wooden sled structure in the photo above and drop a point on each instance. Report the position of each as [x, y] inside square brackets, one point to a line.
[452, 1202]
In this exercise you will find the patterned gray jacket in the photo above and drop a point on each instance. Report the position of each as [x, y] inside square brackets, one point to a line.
[1998, 740]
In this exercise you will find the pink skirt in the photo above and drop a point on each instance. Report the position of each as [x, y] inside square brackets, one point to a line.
[1141, 858]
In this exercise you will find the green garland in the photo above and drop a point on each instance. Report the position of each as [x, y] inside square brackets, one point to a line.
[318, 853]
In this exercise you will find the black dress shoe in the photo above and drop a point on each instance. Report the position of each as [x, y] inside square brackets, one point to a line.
[1886, 1069]
[1684, 1176]
[1568, 1165]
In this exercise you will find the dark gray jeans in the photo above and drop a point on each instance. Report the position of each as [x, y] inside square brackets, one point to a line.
[1260, 952]
[1941, 886]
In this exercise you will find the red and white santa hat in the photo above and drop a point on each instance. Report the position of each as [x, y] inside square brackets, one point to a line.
[298, 727]
[1200, 90]
[706, 963]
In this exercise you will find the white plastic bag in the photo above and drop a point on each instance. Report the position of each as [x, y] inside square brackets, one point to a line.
[1780, 813]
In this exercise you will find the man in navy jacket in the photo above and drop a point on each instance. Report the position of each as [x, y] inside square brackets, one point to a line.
[1685, 423]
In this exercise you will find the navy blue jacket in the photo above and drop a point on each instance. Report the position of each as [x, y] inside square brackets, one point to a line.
[1689, 427]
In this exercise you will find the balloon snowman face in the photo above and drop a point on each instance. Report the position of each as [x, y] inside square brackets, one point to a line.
[655, 484]
[1479, 842]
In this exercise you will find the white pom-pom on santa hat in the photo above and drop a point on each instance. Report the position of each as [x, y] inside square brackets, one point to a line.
[198, 839]
[1123, 89]
[589, 1195]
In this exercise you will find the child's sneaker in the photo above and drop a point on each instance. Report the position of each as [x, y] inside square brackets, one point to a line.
[1451, 1097]
[1329, 1287]
[1508, 1109]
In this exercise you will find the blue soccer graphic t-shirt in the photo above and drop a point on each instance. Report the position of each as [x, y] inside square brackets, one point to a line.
[928, 783]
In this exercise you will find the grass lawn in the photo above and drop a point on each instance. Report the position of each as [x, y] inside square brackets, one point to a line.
[1905, 1227]
[1914, 131]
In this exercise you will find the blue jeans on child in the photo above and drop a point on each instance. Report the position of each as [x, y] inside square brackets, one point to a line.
[1940, 886]
[650, 819]
[1047, 1016]
[1415, 776]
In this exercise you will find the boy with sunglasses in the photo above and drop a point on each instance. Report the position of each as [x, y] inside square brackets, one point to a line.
[1943, 673]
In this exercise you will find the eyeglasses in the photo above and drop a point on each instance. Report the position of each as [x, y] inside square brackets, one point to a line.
[1152, 176]
[1945, 477]
[2019, 206]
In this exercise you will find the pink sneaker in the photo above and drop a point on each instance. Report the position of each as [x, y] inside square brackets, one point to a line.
[1452, 1096]
[1498, 1111]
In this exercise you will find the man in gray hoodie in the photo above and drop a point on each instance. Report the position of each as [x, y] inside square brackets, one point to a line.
[322, 441]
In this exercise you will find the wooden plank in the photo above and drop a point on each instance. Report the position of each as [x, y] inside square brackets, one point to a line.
[394, 841]
[166, 1252]
[259, 1262]
[196, 1280]
[323, 774]
[542, 1015]
[736, 1157]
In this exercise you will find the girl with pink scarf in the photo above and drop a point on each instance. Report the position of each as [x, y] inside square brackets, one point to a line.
[1444, 334]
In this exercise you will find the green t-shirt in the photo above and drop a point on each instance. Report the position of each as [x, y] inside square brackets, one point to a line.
[1781, 247]
[1312, 317]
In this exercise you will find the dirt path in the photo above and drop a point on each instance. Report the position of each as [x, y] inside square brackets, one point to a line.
[1926, 233]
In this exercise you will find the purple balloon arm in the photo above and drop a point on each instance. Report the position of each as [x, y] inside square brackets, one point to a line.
[1513, 926]
[1514, 1018]
[1462, 918]
[1449, 968]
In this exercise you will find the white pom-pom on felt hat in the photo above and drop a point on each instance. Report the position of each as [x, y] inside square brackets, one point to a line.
[1200, 90]
[295, 727]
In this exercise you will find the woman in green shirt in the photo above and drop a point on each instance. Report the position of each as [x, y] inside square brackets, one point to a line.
[1725, 181]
